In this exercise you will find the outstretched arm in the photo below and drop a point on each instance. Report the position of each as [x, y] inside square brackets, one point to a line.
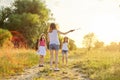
[65, 32]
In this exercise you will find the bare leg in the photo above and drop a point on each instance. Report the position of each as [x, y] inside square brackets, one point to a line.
[56, 58]
[66, 56]
[63, 59]
[42, 59]
[51, 58]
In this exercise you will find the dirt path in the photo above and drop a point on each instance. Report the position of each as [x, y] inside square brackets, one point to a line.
[43, 73]
[70, 72]
[28, 74]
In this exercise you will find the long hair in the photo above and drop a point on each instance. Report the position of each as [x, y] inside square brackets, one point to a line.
[42, 36]
[64, 39]
[52, 27]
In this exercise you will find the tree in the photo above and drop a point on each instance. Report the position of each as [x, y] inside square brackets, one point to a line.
[72, 45]
[98, 44]
[4, 14]
[113, 46]
[89, 40]
[27, 24]
[29, 17]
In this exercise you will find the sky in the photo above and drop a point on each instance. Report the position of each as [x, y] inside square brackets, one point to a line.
[5, 2]
[102, 17]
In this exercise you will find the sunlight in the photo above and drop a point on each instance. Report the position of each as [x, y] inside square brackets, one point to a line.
[106, 27]
[24, 34]
[99, 16]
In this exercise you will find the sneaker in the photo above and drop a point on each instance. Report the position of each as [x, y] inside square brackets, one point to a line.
[56, 69]
[41, 65]
[64, 72]
[51, 68]
[53, 62]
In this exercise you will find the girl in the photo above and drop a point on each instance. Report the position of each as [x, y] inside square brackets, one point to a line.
[65, 50]
[42, 49]
[54, 44]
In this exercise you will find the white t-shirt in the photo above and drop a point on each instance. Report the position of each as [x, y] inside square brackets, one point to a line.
[53, 37]
[65, 46]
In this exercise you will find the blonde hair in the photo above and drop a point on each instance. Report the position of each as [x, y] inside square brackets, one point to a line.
[52, 27]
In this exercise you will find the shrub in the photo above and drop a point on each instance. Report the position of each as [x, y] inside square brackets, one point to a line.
[5, 37]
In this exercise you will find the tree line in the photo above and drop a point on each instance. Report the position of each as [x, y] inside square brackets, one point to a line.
[91, 42]
[28, 17]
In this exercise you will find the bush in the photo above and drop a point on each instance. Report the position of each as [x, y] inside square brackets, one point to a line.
[5, 37]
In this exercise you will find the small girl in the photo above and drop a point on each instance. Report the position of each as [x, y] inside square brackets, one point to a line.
[54, 44]
[42, 49]
[65, 50]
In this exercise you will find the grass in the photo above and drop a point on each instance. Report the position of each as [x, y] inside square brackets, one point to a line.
[13, 61]
[65, 73]
[100, 65]
[96, 64]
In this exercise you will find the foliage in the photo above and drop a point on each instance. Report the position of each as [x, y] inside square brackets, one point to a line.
[98, 44]
[113, 46]
[72, 45]
[4, 14]
[29, 29]
[18, 40]
[89, 40]
[5, 36]
[29, 17]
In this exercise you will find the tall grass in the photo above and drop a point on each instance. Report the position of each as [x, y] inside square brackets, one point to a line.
[97, 64]
[14, 61]
[100, 64]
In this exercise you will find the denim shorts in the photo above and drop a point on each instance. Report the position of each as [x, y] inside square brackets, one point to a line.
[64, 51]
[54, 47]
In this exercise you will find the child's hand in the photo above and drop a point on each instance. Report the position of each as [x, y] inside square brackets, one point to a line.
[72, 30]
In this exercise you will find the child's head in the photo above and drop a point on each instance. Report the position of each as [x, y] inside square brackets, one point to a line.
[42, 37]
[52, 27]
[65, 39]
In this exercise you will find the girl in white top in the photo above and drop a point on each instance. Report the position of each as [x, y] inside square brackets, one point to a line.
[54, 43]
[65, 50]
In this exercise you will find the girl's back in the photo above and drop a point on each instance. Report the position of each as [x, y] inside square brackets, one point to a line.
[53, 37]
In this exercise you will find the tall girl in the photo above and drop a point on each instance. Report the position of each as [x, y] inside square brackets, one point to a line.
[54, 44]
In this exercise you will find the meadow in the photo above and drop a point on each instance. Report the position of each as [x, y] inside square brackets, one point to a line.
[99, 64]
[95, 64]
[14, 61]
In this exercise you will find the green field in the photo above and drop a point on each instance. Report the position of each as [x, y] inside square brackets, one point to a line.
[96, 64]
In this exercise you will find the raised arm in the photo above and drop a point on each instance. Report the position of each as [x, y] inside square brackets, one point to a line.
[65, 32]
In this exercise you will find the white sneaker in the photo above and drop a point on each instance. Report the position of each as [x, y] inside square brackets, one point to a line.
[51, 68]
[56, 69]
